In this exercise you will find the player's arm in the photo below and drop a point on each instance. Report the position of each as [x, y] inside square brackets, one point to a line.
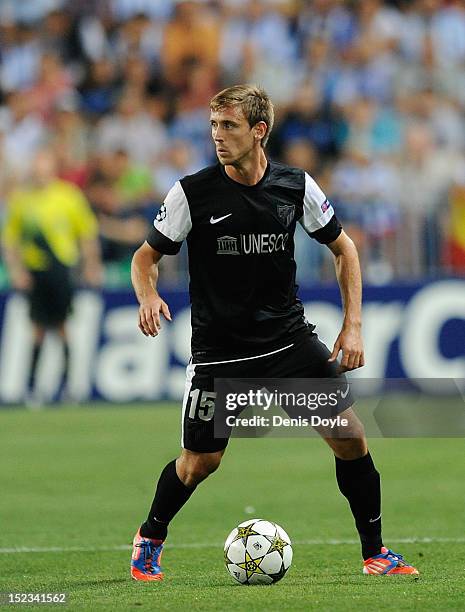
[349, 277]
[171, 226]
[144, 276]
[92, 269]
[321, 223]
[20, 277]
[86, 230]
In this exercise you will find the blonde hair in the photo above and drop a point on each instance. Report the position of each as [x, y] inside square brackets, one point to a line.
[253, 101]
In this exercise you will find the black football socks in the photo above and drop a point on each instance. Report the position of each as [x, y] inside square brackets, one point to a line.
[170, 497]
[66, 361]
[359, 482]
[37, 346]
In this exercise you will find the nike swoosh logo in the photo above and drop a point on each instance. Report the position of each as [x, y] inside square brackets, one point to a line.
[344, 393]
[213, 220]
[374, 520]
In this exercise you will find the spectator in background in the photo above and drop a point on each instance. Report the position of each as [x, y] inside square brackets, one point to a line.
[365, 191]
[133, 182]
[258, 46]
[70, 140]
[132, 130]
[142, 77]
[155, 9]
[454, 247]
[201, 81]
[29, 11]
[20, 55]
[48, 227]
[448, 37]
[346, 76]
[319, 67]
[179, 159]
[442, 114]
[415, 45]
[23, 132]
[308, 118]
[139, 36]
[370, 64]
[329, 20]
[431, 170]
[371, 128]
[99, 88]
[53, 83]
[190, 121]
[121, 194]
[101, 9]
[8, 179]
[191, 34]
[300, 153]
[58, 37]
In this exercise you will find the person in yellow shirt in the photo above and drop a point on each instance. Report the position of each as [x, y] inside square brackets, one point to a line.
[49, 228]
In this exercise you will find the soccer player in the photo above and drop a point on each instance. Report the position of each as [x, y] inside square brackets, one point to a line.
[239, 217]
[49, 226]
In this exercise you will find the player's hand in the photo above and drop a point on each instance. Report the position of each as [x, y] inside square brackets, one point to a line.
[149, 315]
[350, 343]
[21, 280]
[93, 275]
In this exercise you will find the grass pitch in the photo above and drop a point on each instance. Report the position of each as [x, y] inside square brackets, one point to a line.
[76, 483]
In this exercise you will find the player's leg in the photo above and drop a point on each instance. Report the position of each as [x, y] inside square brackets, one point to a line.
[62, 334]
[359, 482]
[356, 475]
[38, 335]
[177, 482]
[38, 314]
[200, 456]
[61, 296]
[50, 304]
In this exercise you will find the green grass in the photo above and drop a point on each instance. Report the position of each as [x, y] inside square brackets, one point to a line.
[84, 478]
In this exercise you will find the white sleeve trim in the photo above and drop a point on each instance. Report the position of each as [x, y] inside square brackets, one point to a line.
[174, 218]
[317, 210]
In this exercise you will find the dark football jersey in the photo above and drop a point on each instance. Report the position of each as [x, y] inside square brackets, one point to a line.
[240, 242]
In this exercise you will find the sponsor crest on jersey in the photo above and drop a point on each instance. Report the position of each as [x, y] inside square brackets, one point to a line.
[227, 245]
[286, 213]
[325, 206]
[161, 213]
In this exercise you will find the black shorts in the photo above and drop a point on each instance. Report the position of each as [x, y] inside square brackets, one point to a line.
[51, 296]
[306, 357]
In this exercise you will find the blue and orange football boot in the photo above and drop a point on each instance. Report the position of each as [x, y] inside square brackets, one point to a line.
[145, 561]
[388, 563]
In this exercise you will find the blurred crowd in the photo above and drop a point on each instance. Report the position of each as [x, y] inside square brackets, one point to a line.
[369, 97]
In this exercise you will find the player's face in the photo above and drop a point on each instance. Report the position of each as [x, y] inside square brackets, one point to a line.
[233, 137]
[44, 168]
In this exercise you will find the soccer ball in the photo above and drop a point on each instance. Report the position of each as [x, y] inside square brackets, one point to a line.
[257, 552]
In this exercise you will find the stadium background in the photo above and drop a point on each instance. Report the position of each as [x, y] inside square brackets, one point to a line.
[370, 99]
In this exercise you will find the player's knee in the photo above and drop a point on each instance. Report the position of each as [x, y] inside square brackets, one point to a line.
[350, 448]
[192, 468]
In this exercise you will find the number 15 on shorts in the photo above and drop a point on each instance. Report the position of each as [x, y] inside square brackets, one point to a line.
[202, 405]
